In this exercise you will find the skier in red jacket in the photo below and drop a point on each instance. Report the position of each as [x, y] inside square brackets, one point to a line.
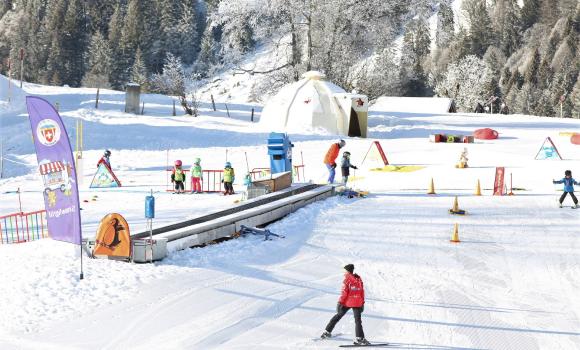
[352, 297]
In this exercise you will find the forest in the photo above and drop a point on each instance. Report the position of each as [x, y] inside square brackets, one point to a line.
[520, 53]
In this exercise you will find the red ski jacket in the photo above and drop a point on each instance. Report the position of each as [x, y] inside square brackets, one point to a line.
[353, 292]
[330, 157]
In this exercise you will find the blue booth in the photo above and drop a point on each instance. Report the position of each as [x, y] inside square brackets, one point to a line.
[280, 152]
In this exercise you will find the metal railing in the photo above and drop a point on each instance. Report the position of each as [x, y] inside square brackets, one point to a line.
[211, 181]
[23, 227]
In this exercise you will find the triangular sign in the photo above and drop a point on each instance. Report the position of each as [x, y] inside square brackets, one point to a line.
[104, 178]
[548, 150]
[376, 155]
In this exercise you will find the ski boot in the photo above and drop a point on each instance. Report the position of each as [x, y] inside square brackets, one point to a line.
[326, 335]
[361, 341]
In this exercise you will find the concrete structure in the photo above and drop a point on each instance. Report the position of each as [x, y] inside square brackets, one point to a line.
[132, 98]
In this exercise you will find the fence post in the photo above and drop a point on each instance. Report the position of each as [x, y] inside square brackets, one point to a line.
[227, 110]
[142, 107]
[213, 102]
[174, 108]
[97, 100]
[252, 117]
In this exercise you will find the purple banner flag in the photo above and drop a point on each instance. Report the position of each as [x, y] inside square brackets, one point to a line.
[57, 169]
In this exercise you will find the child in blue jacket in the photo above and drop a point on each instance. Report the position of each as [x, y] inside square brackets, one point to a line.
[569, 183]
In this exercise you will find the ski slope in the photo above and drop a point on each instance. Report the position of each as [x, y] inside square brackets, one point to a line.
[510, 284]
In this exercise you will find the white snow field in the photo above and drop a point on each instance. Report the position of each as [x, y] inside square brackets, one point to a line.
[511, 283]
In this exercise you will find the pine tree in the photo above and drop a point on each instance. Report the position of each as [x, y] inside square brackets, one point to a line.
[575, 99]
[99, 65]
[507, 26]
[52, 27]
[530, 76]
[530, 13]
[117, 59]
[5, 6]
[445, 25]
[480, 29]
[74, 29]
[139, 72]
[187, 31]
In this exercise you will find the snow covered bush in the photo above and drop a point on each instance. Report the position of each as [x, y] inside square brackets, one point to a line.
[172, 80]
[468, 82]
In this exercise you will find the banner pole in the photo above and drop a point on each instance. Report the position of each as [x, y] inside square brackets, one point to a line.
[81, 277]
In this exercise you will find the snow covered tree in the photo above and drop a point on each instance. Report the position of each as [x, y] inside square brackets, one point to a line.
[507, 26]
[480, 29]
[468, 81]
[115, 33]
[99, 65]
[172, 80]
[74, 29]
[530, 13]
[445, 25]
[139, 72]
[187, 31]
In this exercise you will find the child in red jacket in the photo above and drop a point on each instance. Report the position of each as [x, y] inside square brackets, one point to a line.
[352, 297]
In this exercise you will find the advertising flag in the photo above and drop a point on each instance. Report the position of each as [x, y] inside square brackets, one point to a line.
[56, 166]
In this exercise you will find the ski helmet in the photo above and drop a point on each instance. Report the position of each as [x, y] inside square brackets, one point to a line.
[178, 162]
[568, 173]
[196, 161]
[228, 165]
[341, 143]
[107, 153]
[346, 154]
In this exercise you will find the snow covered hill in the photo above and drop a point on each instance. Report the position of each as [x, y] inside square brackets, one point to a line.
[510, 284]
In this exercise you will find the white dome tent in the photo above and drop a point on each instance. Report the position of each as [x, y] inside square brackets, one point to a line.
[313, 103]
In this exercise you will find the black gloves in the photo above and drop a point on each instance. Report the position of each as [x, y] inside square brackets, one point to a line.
[354, 167]
[334, 166]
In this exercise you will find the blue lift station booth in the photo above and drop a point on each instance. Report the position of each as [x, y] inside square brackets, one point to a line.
[280, 152]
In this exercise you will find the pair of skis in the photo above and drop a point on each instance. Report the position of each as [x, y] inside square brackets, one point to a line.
[353, 345]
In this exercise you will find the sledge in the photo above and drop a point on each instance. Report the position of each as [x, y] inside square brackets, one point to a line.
[457, 212]
[244, 230]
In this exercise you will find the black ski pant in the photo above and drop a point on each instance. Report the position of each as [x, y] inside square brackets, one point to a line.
[571, 195]
[179, 186]
[229, 187]
[341, 310]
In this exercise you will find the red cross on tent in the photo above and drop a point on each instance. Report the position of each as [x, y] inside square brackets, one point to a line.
[51, 167]
[360, 102]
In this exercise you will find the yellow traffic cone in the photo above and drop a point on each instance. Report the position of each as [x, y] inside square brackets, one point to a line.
[478, 189]
[431, 187]
[455, 236]
[455, 205]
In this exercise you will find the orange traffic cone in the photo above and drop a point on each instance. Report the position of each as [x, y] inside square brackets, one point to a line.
[478, 189]
[455, 236]
[431, 187]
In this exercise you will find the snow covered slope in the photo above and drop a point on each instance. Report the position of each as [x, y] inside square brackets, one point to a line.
[510, 284]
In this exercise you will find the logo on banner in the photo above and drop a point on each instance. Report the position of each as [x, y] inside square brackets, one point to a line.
[48, 132]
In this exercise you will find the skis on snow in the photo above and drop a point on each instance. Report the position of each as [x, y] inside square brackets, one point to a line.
[364, 346]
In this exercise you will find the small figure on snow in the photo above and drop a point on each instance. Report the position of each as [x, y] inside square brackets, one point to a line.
[196, 176]
[462, 160]
[569, 183]
[178, 177]
[330, 159]
[105, 159]
[504, 109]
[345, 167]
[228, 180]
[352, 297]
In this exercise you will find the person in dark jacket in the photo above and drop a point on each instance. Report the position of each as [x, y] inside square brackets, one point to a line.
[569, 183]
[352, 297]
[345, 167]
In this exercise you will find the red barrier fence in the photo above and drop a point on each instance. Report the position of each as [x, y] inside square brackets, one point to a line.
[211, 181]
[23, 227]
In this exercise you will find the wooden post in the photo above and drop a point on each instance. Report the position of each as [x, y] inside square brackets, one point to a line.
[57, 106]
[227, 110]
[213, 103]
[9, 80]
[1, 157]
[174, 108]
[21, 66]
[97, 100]
[142, 107]
[252, 117]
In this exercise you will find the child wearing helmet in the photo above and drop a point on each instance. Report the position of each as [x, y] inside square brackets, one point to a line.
[105, 159]
[228, 180]
[196, 175]
[178, 177]
[345, 167]
[569, 183]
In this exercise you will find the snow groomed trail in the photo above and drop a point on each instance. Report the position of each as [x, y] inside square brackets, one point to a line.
[510, 284]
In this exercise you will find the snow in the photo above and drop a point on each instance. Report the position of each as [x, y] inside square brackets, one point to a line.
[510, 284]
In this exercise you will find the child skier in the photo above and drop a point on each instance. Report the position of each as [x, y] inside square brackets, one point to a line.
[178, 177]
[196, 174]
[569, 183]
[352, 297]
[345, 167]
[228, 180]
[105, 159]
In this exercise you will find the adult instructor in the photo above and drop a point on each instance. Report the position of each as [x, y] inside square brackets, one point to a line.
[330, 159]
